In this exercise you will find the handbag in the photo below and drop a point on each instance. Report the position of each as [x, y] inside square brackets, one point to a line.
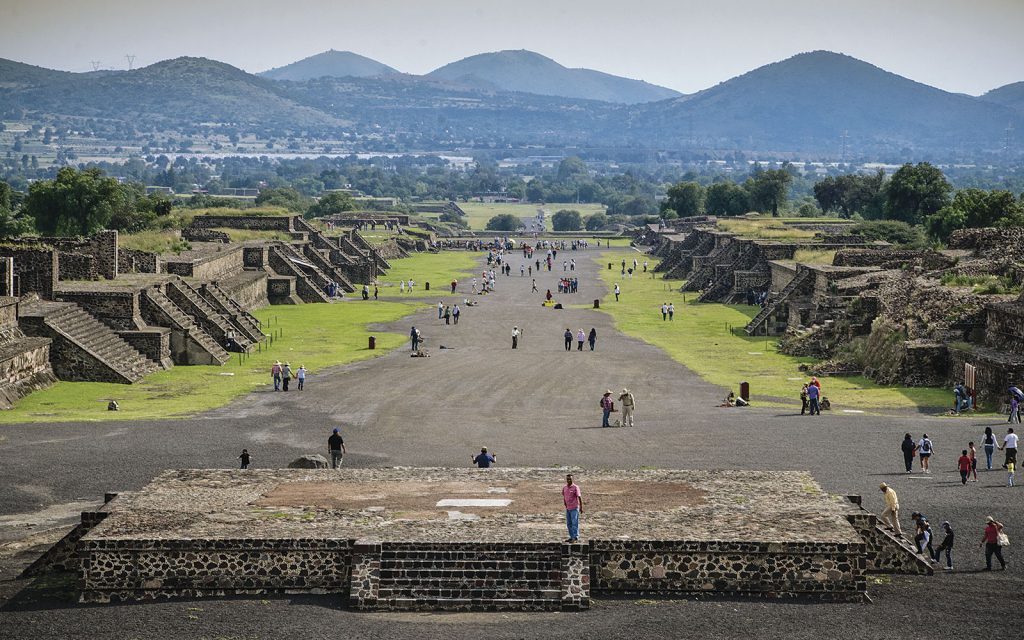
[1003, 540]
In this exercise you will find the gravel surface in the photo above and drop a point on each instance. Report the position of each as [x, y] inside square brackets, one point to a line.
[535, 406]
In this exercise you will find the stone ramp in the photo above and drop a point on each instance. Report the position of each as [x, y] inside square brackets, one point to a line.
[84, 348]
[190, 343]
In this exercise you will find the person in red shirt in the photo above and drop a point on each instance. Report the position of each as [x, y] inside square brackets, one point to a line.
[990, 540]
[573, 500]
[964, 465]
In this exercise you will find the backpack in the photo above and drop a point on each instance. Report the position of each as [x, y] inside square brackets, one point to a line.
[926, 446]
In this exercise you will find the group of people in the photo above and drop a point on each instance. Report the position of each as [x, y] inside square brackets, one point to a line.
[568, 285]
[402, 286]
[449, 313]
[626, 401]
[366, 292]
[581, 337]
[282, 375]
[967, 463]
[810, 397]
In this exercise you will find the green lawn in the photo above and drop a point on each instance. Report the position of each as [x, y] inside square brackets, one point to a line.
[315, 335]
[480, 212]
[699, 338]
[436, 268]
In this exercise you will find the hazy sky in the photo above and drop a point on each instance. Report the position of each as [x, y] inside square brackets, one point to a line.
[968, 46]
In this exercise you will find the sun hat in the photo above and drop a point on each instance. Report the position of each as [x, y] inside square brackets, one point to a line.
[883, 486]
[990, 519]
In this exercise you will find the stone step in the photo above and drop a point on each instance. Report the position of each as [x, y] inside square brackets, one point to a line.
[465, 603]
[470, 574]
[422, 594]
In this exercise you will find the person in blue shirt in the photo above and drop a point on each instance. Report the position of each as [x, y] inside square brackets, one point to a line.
[484, 460]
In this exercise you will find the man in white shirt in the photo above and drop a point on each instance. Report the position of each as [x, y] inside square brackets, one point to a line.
[1010, 445]
[515, 337]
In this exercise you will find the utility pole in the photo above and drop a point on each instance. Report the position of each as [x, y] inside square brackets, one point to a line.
[95, 65]
[131, 60]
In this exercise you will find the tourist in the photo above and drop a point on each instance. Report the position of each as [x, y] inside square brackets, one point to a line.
[592, 337]
[988, 441]
[401, 287]
[548, 295]
[1016, 397]
[565, 265]
[606, 407]
[909, 449]
[300, 375]
[456, 312]
[447, 315]
[645, 266]
[275, 373]
[946, 545]
[376, 292]
[616, 292]
[455, 283]
[891, 513]
[336, 447]
[671, 310]
[959, 397]
[366, 292]
[963, 465]
[991, 540]
[814, 398]
[535, 289]
[568, 339]
[924, 452]
[1011, 468]
[286, 376]
[414, 336]
[245, 459]
[440, 310]
[922, 533]
[628, 403]
[412, 283]
[581, 337]
[229, 340]
[515, 337]
[522, 270]
[664, 311]
[484, 460]
[972, 453]
[572, 497]
[1010, 446]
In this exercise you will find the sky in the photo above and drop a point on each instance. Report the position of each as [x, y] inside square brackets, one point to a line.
[962, 46]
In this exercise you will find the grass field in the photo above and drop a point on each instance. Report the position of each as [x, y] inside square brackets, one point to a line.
[480, 212]
[763, 228]
[699, 338]
[436, 268]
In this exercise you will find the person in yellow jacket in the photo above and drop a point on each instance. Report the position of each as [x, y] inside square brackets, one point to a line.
[891, 514]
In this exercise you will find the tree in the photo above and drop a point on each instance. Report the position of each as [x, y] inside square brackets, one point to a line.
[916, 192]
[504, 222]
[535, 191]
[973, 208]
[894, 231]
[77, 202]
[570, 167]
[597, 222]
[567, 220]
[284, 197]
[726, 199]
[11, 224]
[767, 189]
[851, 194]
[330, 204]
[686, 199]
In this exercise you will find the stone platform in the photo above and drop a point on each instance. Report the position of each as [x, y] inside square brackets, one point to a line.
[466, 538]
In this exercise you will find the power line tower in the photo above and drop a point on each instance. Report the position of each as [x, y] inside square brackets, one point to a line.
[131, 60]
[95, 65]
[844, 138]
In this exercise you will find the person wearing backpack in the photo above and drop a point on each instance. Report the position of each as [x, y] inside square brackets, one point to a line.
[1016, 397]
[994, 540]
[925, 451]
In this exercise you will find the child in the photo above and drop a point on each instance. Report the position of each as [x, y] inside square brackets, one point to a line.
[1010, 468]
[300, 375]
[244, 458]
[972, 453]
[964, 465]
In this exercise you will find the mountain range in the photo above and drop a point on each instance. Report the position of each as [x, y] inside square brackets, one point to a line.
[811, 103]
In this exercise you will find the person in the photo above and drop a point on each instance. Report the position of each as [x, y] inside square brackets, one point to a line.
[366, 292]
[401, 287]
[988, 441]
[909, 448]
[414, 336]
[515, 337]
[376, 292]
[664, 311]
[300, 375]
[592, 337]
[1010, 446]
[286, 376]
[535, 289]
[456, 312]
[275, 373]
[923, 533]
[959, 397]
[972, 453]
[606, 407]
[814, 397]
[1016, 397]
[548, 295]
[581, 337]
[484, 460]
[924, 452]
[336, 447]
[448, 315]
[946, 545]
[572, 497]
[1011, 468]
[628, 403]
[412, 283]
[671, 310]
[568, 339]
[455, 283]
[645, 266]
[440, 310]
[963, 465]
[616, 292]
[891, 513]
[245, 459]
[229, 340]
[990, 540]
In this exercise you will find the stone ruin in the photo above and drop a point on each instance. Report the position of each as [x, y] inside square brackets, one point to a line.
[85, 309]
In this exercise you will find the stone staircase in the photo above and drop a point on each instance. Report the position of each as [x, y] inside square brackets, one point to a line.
[212, 321]
[460, 576]
[84, 349]
[161, 311]
[310, 286]
[704, 268]
[242, 320]
[802, 276]
[317, 259]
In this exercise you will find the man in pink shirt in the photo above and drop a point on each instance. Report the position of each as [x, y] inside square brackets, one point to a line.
[573, 499]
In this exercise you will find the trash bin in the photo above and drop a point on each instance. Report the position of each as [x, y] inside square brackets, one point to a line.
[373, 342]
[597, 303]
[426, 285]
[609, 265]
[745, 391]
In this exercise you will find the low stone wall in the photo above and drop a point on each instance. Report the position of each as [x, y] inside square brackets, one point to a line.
[249, 289]
[135, 261]
[892, 259]
[202, 234]
[259, 223]
[1004, 326]
[214, 265]
[116, 308]
[24, 367]
[77, 266]
[154, 343]
[35, 269]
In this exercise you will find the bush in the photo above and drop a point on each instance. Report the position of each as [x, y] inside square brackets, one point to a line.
[567, 220]
[894, 231]
[504, 222]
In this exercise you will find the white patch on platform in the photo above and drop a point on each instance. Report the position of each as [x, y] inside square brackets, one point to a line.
[497, 490]
[755, 353]
[852, 411]
[458, 515]
[474, 502]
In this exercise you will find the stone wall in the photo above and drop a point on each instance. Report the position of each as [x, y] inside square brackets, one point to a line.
[116, 308]
[202, 234]
[154, 343]
[1004, 326]
[35, 270]
[893, 259]
[249, 289]
[77, 266]
[218, 264]
[102, 246]
[995, 370]
[259, 223]
[135, 261]
[24, 366]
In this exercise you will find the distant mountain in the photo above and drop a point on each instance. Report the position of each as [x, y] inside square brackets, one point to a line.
[811, 100]
[1011, 95]
[14, 75]
[332, 64]
[530, 72]
[182, 92]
